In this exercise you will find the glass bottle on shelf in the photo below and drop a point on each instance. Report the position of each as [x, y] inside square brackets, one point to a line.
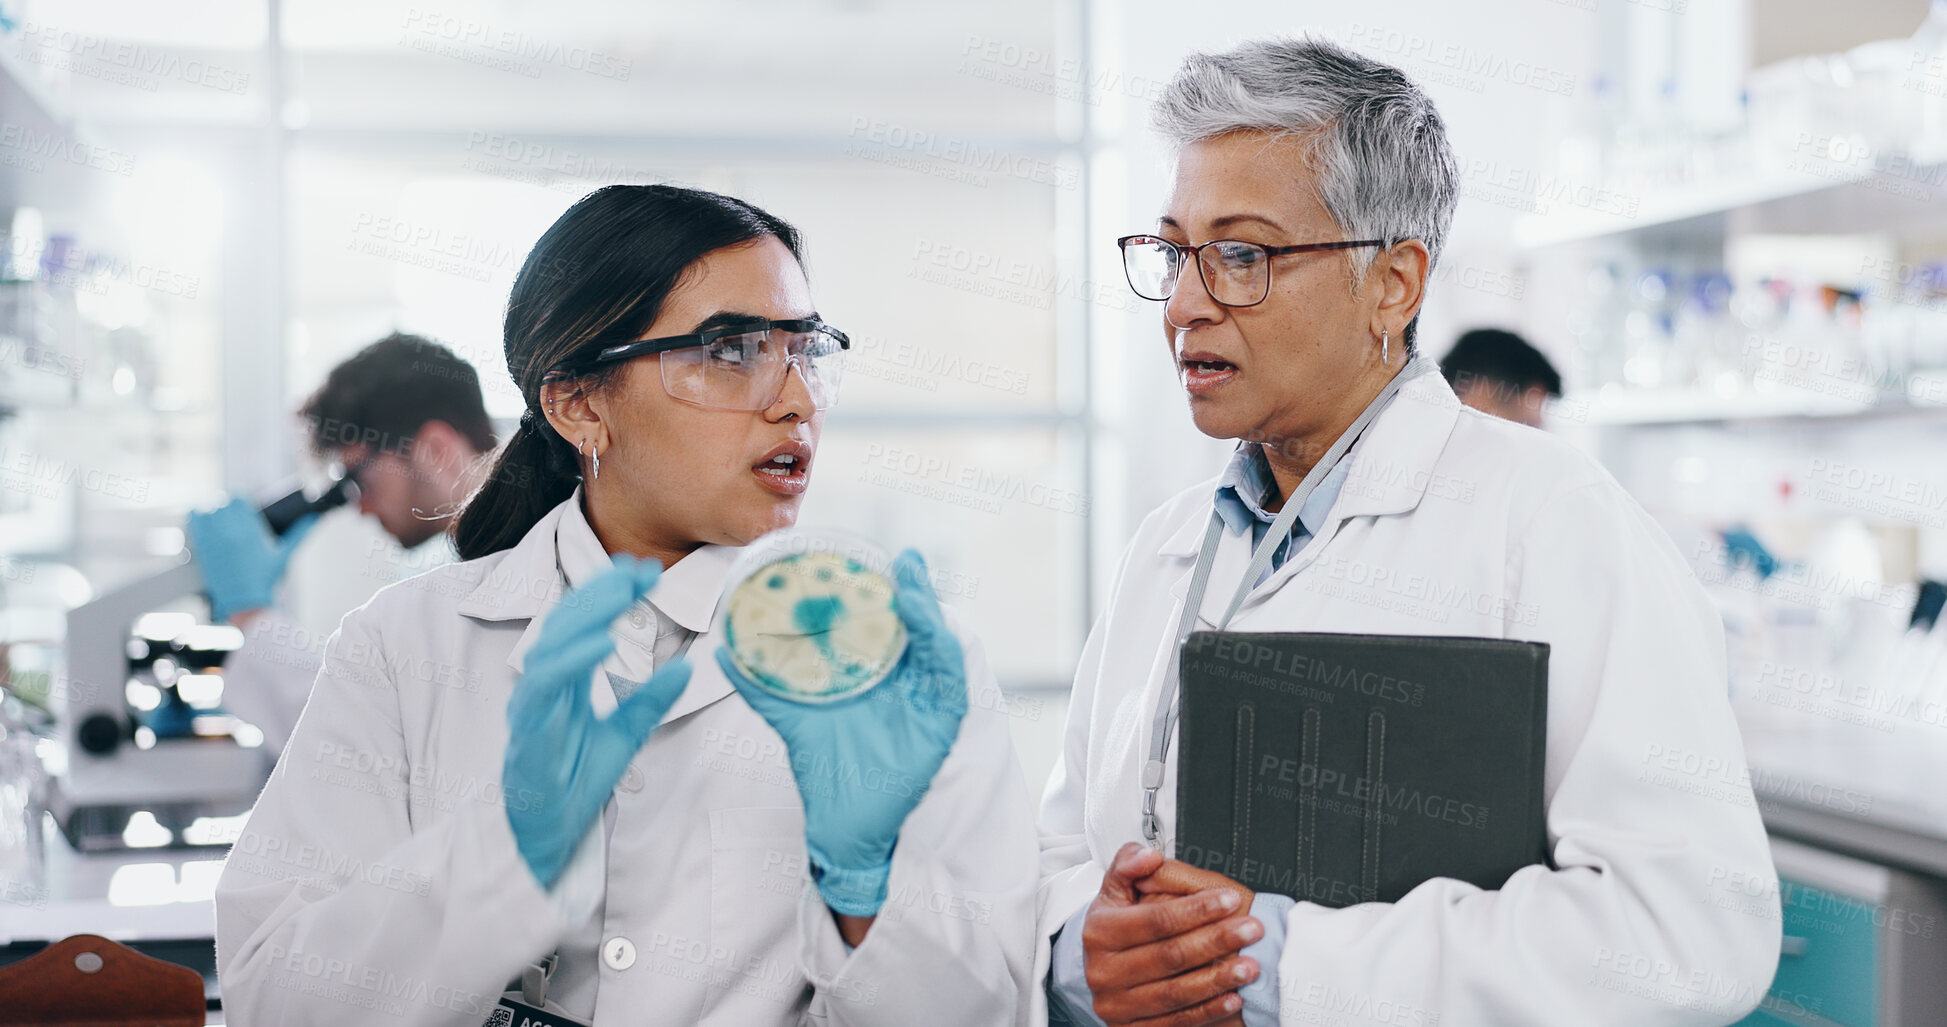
[1704, 334]
[1647, 332]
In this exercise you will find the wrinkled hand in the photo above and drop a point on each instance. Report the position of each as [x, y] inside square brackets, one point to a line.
[1176, 877]
[863, 763]
[558, 751]
[240, 559]
[1172, 962]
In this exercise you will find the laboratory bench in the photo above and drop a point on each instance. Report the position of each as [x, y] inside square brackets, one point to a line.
[1857, 812]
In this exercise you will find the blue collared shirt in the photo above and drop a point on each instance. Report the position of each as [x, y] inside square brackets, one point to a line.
[1247, 483]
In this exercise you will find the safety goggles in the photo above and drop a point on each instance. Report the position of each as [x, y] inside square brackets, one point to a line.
[742, 366]
[1238, 274]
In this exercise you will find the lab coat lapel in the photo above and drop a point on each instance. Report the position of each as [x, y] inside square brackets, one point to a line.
[1188, 534]
[1227, 569]
[1182, 544]
[520, 585]
[707, 683]
[1391, 468]
[688, 594]
[526, 583]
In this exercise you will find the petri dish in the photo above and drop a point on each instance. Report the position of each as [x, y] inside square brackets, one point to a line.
[809, 615]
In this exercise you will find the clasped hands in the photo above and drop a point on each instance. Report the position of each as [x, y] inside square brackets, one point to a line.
[1163, 943]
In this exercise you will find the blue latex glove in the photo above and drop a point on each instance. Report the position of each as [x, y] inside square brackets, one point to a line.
[240, 559]
[862, 764]
[1742, 546]
[562, 759]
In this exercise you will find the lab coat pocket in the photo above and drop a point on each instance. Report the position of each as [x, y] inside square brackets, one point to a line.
[757, 874]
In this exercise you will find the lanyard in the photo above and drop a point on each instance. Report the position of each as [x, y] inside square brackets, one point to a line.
[1166, 705]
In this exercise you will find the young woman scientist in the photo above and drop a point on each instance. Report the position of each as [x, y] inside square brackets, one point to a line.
[465, 798]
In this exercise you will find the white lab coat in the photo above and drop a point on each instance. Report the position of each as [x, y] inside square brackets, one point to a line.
[1455, 523]
[337, 566]
[378, 881]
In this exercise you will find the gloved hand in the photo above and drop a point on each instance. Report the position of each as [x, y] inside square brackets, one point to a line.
[557, 748]
[240, 559]
[862, 764]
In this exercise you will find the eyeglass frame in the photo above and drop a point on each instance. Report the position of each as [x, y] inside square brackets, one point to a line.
[645, 347]
[351, 472]
[1196, 257]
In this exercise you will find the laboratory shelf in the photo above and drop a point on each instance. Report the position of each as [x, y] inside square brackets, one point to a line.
[30, 104]
[1696, 406]
[31, 174]
[1809, 195]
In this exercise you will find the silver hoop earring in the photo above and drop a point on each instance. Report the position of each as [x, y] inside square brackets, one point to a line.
[1385, 338]
[582, 448]
[596, 453]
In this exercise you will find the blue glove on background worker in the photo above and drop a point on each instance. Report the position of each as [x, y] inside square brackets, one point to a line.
[862, 764]
[557, 747]
[240, 559]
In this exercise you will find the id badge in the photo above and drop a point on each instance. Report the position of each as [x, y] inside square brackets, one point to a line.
[512, 1012]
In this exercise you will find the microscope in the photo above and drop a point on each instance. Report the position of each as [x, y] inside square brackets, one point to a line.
[133, 709]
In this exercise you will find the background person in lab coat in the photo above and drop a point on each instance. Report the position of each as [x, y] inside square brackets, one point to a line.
[405, 419]
[1497, 372]
[458, 801]
[1439, 521]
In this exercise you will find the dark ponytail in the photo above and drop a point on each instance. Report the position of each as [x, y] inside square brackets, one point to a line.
[597, 277]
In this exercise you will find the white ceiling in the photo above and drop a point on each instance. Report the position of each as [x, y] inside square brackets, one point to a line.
[735, 68]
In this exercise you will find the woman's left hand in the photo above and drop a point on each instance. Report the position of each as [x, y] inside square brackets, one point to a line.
[862, 764]
[559, 752]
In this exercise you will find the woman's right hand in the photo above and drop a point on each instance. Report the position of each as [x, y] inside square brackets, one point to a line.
[863, 763]
[557, 748]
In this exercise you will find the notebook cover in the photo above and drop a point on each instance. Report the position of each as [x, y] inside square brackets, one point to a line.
[1339, 769]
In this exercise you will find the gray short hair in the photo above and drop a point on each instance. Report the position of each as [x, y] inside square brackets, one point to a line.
[1379, 148]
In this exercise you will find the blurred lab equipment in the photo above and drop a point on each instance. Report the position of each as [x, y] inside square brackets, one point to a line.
[139, 710]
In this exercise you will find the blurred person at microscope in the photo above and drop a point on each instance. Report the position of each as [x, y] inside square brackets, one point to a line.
[403, 419]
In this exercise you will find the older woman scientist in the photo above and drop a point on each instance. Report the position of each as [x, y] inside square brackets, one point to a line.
[466, 801]
[1313, 190]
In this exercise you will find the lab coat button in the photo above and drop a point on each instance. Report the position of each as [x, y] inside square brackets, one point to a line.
[619, 953]
[636, 618]
[633, 779]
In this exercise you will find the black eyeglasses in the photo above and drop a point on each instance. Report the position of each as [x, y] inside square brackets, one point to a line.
[738, 367]
[350, 472]
[1237, 273]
